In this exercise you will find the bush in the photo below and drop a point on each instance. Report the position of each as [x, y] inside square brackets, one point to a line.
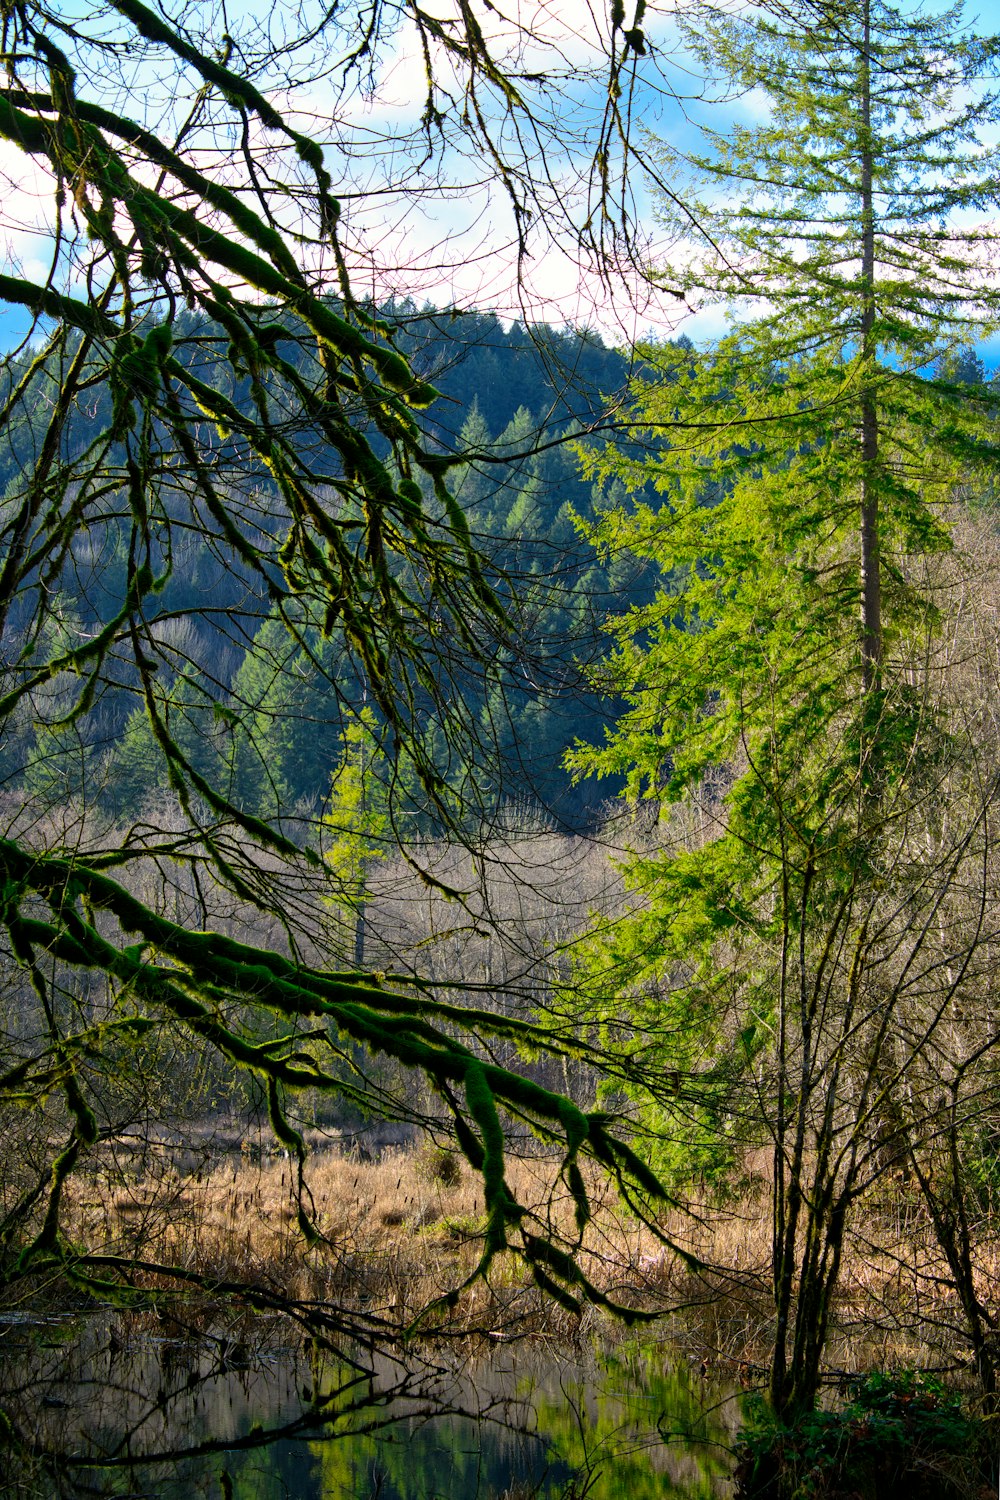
[439, 1165]
[900, 1433]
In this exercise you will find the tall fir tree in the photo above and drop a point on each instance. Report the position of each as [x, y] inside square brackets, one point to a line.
[358, 823]
[775, 683]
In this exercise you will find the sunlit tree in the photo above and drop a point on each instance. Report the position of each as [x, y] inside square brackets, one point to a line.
[357, 821]
[782, 685]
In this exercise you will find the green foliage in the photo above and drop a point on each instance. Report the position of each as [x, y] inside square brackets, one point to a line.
[357, 821]
[899, 1431]
[778, 720]
[979, 1161]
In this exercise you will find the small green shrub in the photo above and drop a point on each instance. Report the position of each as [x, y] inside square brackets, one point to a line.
[462, 1227]
[439, 1165]
[899, 1433]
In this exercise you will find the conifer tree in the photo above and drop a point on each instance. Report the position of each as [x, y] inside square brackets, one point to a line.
[775, 683]
[358, 822]
[844, 213]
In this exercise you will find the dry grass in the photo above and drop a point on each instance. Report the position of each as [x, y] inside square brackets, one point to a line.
[396, 1233]
[400, 1231]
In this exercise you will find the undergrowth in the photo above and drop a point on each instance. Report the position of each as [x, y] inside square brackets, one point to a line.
[900, 1434]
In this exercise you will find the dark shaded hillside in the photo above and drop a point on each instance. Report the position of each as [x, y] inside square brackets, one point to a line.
[560, 376]
[266, 714]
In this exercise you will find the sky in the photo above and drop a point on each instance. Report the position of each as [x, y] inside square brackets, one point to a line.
[442, 230]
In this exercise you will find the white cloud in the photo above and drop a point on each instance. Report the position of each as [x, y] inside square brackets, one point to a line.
[26, 201]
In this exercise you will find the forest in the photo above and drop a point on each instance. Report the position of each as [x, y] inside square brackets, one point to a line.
[497, 812]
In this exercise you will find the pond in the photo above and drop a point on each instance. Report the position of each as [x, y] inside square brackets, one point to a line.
[112, 1406]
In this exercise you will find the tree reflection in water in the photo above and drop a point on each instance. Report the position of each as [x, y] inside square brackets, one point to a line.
[135, 1407]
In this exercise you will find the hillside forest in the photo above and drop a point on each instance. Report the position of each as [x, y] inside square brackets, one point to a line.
[267, 714]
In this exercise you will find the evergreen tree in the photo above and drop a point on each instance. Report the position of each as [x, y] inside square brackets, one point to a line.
[842, 214]
[287, 718]
[137, 768]
[774, 684]
[358, 823]
[58, 752]
[60, 759]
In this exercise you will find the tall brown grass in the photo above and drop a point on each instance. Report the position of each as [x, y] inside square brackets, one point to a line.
[400, 1231]
[395, 1234]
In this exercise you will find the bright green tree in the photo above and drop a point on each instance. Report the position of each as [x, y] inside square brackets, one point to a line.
[358, 822]
[775, 686]
[842, 213]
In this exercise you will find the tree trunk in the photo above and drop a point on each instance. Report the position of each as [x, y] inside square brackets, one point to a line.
[871, 570]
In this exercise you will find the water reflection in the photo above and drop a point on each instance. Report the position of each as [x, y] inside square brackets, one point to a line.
[119, 1406]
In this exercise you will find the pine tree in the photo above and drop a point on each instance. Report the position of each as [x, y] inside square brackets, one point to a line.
[841, 212]
[59, 755]
[137, 769]
[287, 705]
[815, 450]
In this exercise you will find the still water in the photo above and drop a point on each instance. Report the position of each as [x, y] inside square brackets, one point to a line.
[99, 1407]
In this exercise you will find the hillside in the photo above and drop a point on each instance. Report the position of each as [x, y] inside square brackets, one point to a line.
[264, 713]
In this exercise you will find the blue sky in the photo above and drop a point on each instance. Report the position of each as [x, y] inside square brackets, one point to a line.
[456, 245]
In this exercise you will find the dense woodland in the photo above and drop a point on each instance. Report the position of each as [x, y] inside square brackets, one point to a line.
[259, 712]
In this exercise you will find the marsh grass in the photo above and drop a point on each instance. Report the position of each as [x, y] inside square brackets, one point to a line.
[396, 1233]
[399, 1231]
